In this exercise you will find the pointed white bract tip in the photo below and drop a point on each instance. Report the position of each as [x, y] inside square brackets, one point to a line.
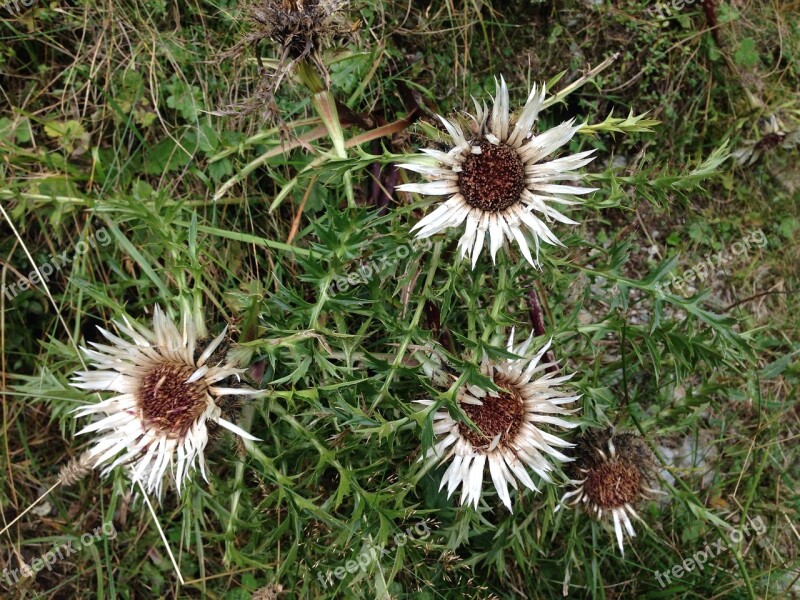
[237, 430]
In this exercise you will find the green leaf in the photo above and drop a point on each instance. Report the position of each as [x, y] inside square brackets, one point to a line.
[775, 368]
[220, 170]
[165, 156]
[68, 133]
[788, 226]
[184, 98]
[746, 55]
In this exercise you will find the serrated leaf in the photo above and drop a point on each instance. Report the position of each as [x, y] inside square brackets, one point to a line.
[165, 156]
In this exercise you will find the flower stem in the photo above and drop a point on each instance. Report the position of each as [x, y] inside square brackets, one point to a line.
[537, 319]
[325, 105]
[580, 81]
[499, 299]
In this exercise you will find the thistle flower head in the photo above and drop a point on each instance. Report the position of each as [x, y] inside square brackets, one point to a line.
[511, 426]
[498, 179]
[300, 27]
[166, 392]
[773, 134]
[611, 474]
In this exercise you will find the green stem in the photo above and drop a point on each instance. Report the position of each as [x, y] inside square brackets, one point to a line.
[499, 299]
[325, 104]
[398, 361]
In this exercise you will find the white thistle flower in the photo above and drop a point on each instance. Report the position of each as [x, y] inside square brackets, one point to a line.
[611, 474]
[157, 421]
[511, 437]
[497, 179]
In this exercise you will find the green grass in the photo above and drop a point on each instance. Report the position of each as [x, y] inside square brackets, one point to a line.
[109, 123]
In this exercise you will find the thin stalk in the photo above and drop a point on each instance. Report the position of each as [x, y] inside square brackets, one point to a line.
[325, 105]
[499, 300]
[558, 97]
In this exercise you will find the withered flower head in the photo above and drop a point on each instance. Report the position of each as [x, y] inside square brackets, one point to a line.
[773, 134]
[612, 472]
[166, 395]
[301, 29]
[511, 426]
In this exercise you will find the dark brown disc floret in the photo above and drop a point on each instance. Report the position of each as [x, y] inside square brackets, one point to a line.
[613, 484]
[494, 179]
[501, 415]
[168, 402]
[770, 141]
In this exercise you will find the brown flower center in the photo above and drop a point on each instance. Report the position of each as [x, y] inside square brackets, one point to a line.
[769, 141]
[498, 415]
[613, 484]
[168, 402]
[494, 179]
